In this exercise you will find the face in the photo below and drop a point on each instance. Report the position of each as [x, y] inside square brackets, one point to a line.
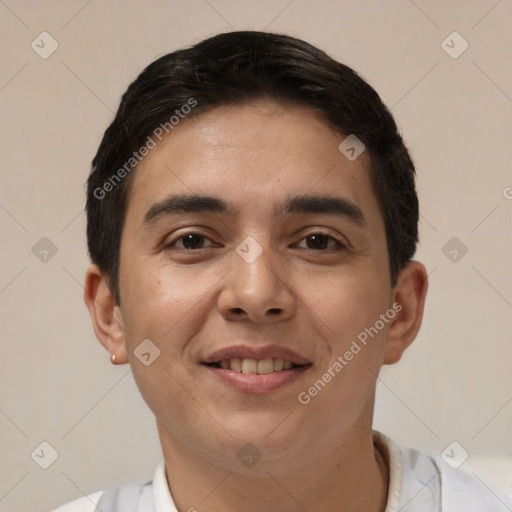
[276, 271]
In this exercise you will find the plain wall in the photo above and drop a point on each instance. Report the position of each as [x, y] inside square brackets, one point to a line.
[57, 384]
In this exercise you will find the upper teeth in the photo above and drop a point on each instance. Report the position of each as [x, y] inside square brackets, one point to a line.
[260, 367]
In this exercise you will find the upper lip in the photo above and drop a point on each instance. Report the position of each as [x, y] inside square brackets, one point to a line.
[258, 353]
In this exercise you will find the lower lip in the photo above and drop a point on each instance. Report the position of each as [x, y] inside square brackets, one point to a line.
[257, 384]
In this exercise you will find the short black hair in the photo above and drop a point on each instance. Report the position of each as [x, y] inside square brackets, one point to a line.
[233, 68]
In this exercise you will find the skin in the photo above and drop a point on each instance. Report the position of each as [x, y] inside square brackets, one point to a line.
[318, 456]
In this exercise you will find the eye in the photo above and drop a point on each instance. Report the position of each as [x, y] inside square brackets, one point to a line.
[192, 241]
[319, 242]
[189, 241]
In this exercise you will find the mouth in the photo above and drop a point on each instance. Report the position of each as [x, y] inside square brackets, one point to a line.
[256, 370]
[254, 366]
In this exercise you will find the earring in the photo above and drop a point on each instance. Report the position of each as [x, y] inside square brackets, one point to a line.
[113, 359]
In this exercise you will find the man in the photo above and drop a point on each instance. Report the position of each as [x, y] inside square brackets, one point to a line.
[252, 218]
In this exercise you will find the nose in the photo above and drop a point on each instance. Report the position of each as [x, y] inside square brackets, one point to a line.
[258, 290]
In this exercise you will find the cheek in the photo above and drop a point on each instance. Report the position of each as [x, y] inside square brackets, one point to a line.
[166, 305]
[347, 301]
[348, 311]
[344, 383]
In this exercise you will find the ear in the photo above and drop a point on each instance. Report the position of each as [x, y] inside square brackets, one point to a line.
[409, 302]
[105, 314]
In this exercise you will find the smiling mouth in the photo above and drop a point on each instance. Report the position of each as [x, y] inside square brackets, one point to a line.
[256, 367]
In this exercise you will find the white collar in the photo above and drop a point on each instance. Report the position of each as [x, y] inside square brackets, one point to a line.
[393, 455]
[161, 492]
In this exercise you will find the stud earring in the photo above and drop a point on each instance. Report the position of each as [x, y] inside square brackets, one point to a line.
[113, 359]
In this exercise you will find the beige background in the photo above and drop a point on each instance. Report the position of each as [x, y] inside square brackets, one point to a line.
[57, 385]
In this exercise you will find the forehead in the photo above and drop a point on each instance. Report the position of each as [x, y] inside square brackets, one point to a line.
[254, 155]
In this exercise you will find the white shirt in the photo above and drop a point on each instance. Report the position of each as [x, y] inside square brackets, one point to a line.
[418, 482]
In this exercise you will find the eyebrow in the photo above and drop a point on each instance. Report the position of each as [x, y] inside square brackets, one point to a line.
[305, 204]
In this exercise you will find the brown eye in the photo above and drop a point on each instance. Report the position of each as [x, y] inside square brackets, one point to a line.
[320, 242]
[189, 241]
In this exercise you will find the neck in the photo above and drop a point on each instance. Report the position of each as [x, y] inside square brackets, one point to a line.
[349, 476]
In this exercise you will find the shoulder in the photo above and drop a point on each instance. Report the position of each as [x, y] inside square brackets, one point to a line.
[83, 504]
[132, 497]
[465, 489]
[420, 481]
[129, 498]
[457, 489]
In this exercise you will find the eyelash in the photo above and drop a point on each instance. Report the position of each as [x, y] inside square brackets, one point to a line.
[340, 245]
